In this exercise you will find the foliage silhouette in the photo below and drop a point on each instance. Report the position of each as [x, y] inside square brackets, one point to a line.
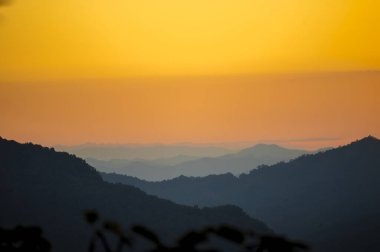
[23, 239]
[192, 241]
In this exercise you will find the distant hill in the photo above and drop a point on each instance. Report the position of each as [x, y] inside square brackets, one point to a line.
[143, 169]
[240, 162]
[331, 198]
[237, 163]
[39, 186]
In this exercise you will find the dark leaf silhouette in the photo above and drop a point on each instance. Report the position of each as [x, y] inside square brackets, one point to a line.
[146, 233]
[113, 227]
[230, 233]
[278, 244]
[23, 239]
[91, 216]
[192, 238]
[104, 241]
[91, 247]
[116, 229]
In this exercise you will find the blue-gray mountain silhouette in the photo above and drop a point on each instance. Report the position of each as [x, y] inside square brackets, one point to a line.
[331, 198]
[237, 163]
[39, 186]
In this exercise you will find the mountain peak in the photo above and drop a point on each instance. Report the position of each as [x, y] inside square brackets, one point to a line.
[367, 140]
[259, 148]
[371, 138]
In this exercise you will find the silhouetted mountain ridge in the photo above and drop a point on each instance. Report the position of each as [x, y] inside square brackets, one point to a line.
[39, 186]
[314, 197]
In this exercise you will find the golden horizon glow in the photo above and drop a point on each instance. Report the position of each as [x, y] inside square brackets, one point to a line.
[341, 107]
[54, 39]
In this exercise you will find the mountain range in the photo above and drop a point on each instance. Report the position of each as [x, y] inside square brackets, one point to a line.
[39, 186]
[331, 198]
[237, 163]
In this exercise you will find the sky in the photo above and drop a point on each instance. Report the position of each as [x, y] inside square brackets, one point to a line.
[45, 39]
[329, 109]
[298, 73]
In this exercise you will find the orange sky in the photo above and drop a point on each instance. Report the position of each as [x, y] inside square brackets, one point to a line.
[278, 109]
[122, 71]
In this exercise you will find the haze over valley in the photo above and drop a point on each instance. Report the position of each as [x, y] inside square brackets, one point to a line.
[182, 160]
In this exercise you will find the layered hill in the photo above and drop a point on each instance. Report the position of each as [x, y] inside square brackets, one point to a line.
[331, 198]
[39, 186]
[237, 163]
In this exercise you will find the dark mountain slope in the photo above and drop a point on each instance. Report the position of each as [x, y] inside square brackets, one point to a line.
[205, 191]
[328, 198]
[39, 186]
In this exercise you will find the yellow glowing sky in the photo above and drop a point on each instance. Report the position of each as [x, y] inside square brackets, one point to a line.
[42, 39]
[301, 73]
